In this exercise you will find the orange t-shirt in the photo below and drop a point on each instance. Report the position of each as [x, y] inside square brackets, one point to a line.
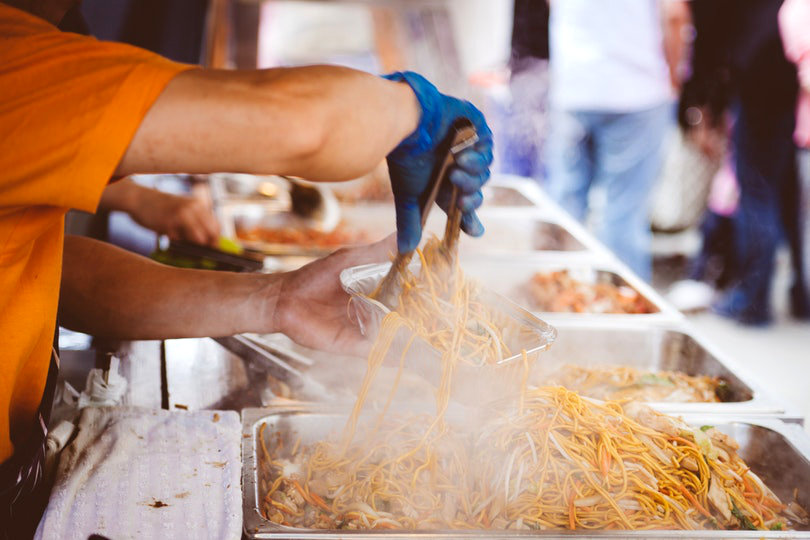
[69, 107]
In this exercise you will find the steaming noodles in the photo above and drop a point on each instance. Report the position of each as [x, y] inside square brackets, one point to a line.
[550, 460]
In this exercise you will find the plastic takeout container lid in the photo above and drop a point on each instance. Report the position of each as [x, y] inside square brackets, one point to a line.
[522, 329]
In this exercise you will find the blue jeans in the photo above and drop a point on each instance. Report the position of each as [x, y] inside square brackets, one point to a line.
[769, 212]
[804, 211]
[622, 151]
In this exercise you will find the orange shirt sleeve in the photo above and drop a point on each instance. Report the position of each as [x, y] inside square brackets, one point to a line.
[69, 106]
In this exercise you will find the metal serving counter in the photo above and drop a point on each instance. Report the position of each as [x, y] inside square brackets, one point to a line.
[526, 234]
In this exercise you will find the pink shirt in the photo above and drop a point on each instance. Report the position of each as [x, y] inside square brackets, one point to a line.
[794, 25]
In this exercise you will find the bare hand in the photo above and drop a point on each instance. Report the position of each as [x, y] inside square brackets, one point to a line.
[178, 217]
[312, 307]
[706, 133]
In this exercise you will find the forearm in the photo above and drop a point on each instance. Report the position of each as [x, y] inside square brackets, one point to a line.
[122, 195]
[319, 122]
[109, 292]
[676, 17]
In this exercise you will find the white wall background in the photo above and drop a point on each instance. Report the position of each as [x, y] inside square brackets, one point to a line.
[483, 30]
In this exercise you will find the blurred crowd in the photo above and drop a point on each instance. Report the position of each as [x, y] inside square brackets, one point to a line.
[641, 114]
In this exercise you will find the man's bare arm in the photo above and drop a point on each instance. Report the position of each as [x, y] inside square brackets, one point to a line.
[321, 122]
[109, 292]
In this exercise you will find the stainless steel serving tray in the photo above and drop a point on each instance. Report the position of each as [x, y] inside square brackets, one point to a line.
[508, 230]
[510, 276]
[779, 453]
[661, 347]
[507, 190]
[655, 347]
[500, 191]
[500, 195]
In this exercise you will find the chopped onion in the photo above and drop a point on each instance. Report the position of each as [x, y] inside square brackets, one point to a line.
[363, 508]
[587, 501]
[531, 445]
[386, 521]
[564, 454]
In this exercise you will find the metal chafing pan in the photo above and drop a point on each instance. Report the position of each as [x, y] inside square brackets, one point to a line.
[513, 230]
[510, 277]
[660, 347]
[779, 453]
[498, 195]
[507, 190]
[500, 191]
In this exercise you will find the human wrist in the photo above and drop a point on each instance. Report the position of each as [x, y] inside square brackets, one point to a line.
[265, 303]
[422, 137]
[408, 110]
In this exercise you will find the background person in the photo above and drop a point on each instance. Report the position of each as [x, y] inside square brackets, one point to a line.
[739, 67]
[794, 21]
[610, 101]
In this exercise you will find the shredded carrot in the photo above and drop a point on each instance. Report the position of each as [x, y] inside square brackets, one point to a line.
[484, 518]
[770, 503]
[605, 462]
[695, 502]
[571, 515]
[319, 501]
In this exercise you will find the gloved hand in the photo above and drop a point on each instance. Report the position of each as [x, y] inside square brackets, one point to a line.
[411, 163]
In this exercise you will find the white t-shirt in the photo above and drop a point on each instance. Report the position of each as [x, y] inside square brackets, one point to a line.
[607, 55]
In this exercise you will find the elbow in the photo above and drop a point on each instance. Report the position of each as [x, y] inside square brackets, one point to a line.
[307, 138]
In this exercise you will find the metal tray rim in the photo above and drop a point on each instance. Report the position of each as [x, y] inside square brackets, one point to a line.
[763, 404]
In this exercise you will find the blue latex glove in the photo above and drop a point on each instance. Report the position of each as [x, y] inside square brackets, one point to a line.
[411, 163]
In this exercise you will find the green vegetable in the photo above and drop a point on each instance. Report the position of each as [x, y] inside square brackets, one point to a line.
[229, 246]
[705, 428]
[651, 379]
[745, 523]
[777, 526]
[705, 444]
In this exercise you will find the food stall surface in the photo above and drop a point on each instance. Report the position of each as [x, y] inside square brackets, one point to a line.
[655, 349]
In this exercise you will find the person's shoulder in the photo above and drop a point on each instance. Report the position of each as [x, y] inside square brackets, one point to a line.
[18, 23]
[29, 43]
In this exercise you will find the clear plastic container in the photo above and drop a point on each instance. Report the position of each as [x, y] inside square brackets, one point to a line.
[521, 330]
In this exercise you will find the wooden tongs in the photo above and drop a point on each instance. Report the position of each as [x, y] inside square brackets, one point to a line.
[461, 135]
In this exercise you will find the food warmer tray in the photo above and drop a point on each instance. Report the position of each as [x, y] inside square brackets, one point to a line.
[507, 190]
[662, 347]
[503, 190]
[509, 230]
[510, 276]
[778, 452]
